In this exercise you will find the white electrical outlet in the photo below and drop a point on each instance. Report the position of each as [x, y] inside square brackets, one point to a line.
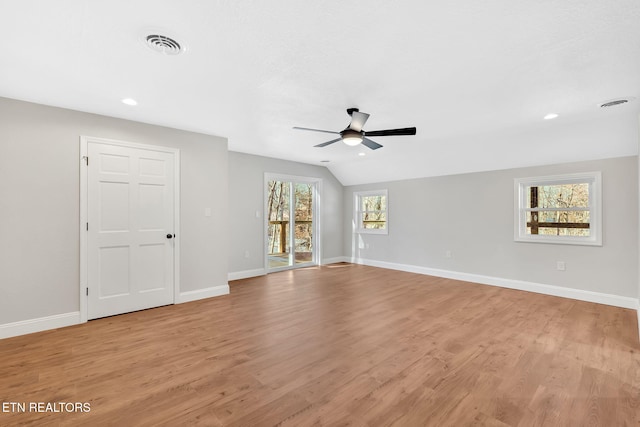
[207, 212]
[447, 253]
[246, 254]
[561, 266]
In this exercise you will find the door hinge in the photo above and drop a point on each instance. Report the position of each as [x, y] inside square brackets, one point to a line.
[87, 226]
[87, 291]
[86, 160]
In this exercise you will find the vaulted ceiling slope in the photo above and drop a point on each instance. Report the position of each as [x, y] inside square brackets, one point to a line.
[475, 78]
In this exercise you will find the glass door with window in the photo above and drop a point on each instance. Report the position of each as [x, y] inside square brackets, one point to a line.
[291, 227]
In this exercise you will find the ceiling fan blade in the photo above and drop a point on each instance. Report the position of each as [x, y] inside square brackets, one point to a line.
[316, 130]
[358, 120]
[390, 132]
[324, 144]
[371, 144]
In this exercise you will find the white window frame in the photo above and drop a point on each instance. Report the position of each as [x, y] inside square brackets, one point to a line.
[356, 212]
[317, 200]
[594, 179]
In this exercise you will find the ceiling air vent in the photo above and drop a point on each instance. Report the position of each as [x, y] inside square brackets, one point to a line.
[614, 102]
[163, 44]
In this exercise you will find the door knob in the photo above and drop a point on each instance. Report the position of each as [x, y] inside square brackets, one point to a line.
[170, 236]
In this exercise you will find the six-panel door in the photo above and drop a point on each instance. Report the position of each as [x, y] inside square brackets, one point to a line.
[131, 229]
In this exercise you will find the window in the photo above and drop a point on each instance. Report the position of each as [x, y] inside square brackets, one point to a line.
[559, 209]
[371, 212]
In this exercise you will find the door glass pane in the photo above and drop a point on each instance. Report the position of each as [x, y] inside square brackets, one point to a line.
[278, 215]
[304, 222]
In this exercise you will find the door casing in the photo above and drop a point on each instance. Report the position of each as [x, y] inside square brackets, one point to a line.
[84, 200]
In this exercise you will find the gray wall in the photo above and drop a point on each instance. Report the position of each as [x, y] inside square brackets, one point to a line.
[472, 216]
[246, 196]
[39, 204]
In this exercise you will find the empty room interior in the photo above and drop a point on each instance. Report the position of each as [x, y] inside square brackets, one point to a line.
[319, 213]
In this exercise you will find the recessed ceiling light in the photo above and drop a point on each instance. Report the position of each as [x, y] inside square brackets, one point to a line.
[550, 116]
[129, 101]
[362, 154]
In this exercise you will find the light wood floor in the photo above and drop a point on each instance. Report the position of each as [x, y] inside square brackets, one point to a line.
[338, 345]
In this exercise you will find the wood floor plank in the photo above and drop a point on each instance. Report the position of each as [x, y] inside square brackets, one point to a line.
[337, 345]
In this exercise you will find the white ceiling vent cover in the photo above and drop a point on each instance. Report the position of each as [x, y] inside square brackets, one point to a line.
[618, 101]
[163, 44]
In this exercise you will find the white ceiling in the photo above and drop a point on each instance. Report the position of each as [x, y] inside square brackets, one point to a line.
[474, 77]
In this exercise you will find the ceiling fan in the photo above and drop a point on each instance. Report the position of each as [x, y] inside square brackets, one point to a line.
[354, 134]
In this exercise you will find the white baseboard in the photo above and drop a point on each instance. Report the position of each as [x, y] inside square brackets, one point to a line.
[237, 275]
[559, 291]
[336, 260]
[213, 291]
[30, 326]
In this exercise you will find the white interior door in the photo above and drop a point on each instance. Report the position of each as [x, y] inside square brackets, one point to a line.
[130, 229]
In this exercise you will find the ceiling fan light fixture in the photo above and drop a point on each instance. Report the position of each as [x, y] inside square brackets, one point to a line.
[351, 137]
[352, 141]
[354, 135]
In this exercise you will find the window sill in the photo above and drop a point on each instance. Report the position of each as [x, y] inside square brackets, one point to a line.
[572, 241]
[369, 231]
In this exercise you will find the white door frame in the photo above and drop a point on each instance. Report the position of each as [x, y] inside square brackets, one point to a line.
[84, 200]
[316, 260]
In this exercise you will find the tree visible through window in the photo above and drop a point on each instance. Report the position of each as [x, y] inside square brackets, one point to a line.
[559, 209]
[290, 224]
[371, 211]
